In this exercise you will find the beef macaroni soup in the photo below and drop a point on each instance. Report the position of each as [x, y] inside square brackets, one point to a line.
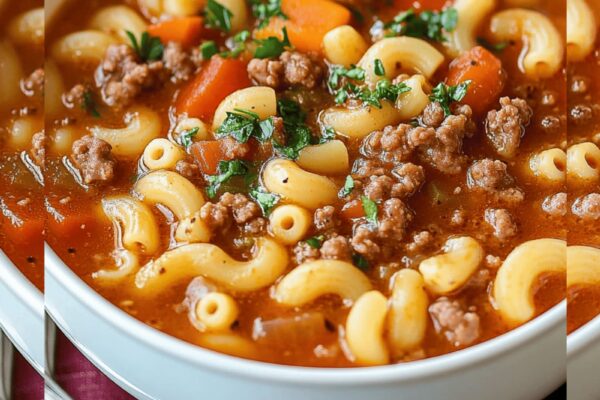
[22, 135]
[323, 183]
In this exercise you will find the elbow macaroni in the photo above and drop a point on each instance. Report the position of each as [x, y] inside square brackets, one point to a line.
[407, 316]
[581, 30]
[257, 99]
[583, 265]
[116, 20]
[161, 154]
[549, 164]
[216, 311]
[447, 272]
[471, 14]
[142, 125]
[583, 161]
[412, 103]
[54, 88]
[516, 277]
[329, 158]
[11, 73]
[22, 130]
[28, 28]
[398, 54]
[365, 328]
[289, 223]
[360, 121]
[295, 185]
[213, 263]
[344, 46]
[86, 46]
[127, 263]
[313, 279]
[543, 49]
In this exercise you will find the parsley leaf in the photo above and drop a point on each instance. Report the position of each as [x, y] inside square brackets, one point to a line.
[208, 49]
[298, 135]
[149, 47]
[218, 16]
[370, 208]
[338, 72]
[360, 261]
[238, 45]
[427, 24]
[225, 170]
[348, 187]
[266, 201]
[186, 137]
[494, 47]
[243, 124]
[272, 47]
[327, 134]
[315, 242]
[379, 68]
[263, 12]
[445, 95]
[384, 90]
[89, 104]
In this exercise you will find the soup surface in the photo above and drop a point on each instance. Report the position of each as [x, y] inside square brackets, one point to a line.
[372, 183]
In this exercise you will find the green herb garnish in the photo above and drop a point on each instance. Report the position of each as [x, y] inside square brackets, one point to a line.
[89, 104]
[427, 24]
[225, 170]
[272, 47]
[186, 137]
[348, 187]
[338, 72]
[149, 47]
[315, 242]
[378, 68]
[263, 12]
[360, 261]
[370, 208]
[494, 47]
[218, 16]
[243, 124]
[384, 90]
[298, 135]
[446, 95]
[265, 200]
[208, 49]
[327, 134]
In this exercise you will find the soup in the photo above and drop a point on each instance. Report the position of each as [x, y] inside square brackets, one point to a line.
[360, 185]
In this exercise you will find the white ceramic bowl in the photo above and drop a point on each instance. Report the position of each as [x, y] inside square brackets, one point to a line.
[583, 362]
[22, 313]
[526, 363]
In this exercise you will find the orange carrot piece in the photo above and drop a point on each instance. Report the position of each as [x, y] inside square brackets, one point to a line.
[185, 30]
[353, 209]
[485, 72]
[308, 21]
[218, 79]
[208, 153]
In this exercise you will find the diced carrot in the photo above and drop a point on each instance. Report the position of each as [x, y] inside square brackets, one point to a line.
[218, 79]
[208, 153]
[185, 30]
[485, 72]
[27, 230]
[353, 209]
[308, 21]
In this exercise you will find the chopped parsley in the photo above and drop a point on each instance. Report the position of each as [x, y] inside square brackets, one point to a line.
[360, 261]
[427, 24]
[89, 104]
[218, 16]
[263, 12]
[338, 72]
[316, 241]
[327, 134]
[186, 137]
[378, 68]
[384, 90]
[494, 47]
[446, 95]
[297, 134]
[244, 124]
[238, 45]
[225, 170]
[348, 187]
[370, 208]
[266, 201]
[208, 49]
[272, 47]
[149, 47]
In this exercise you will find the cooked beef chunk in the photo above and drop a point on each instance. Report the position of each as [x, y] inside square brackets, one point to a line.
[587, 207]
[33, 85]
[291, 68]
[178, 62]
[336, 248]
[303, 252]
[38, 148]
[491, 176]
[231, 208]
[459, 327]
[325, 218]
[502, 222]
[505, 127]
[555, 205]
[93, 158]
[187, 169]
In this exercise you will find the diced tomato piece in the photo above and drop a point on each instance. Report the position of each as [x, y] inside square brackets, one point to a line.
[353, 209]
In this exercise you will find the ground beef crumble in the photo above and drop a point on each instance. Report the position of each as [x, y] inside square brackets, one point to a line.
[93, 158]
[38, 148]
[505, 127]
[231, 208]
[555, 205]
[460, 327]
[291, 68]
[587, 207]
[336, 248]
[325, 218]
[33, 85]
[303, 252]
[502, 221]
[491, 176]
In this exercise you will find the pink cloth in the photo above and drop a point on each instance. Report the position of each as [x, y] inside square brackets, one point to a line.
[78, 376]
[27, 384]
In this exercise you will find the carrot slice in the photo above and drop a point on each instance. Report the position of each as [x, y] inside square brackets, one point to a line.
[485, 72]
[308, 21]
[185, 30]
[218, 79]
[208, 153]
[353, 209]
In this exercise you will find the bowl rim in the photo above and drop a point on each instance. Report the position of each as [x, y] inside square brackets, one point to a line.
[583, 337]
[262, 371]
